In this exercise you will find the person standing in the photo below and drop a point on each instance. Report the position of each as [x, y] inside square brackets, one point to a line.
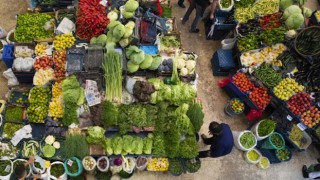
[20, 172]
[312, 172]
[221, 141]
[200, 6]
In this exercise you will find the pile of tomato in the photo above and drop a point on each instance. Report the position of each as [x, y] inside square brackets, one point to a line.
[260, 97]
[242, 82]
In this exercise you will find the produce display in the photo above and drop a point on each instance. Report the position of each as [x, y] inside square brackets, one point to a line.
[286, 88]
[43, 77]
[253, 155]
[271, 21]
[296, 135]
[299, 103]
[56, 103]
[250, 42]
[242, 82]
[247, 140]
[158, 164]
[89, 163]
[169, 44]
[264, 162]
[50, 146]
[237, 106]
[175, 166]
[267, 75]
[3, 167]
[43, 62]
[244, 29]
[306, 42]
[243, 3]
[63, 41]
[260, 97]
[73, 168]
[19, 98]
[26, 33]
[30, 148]
[57, 170]
[59, 59]
[14, 113]
[192, 165]
[283, 154]
[186, 64]
[38, 109]
[76, 145]
[311, 117]
[9, 129]
[8, 150]
[293, 16]
[277, 140]
[266, 127]
[273, 36]
[40, 49]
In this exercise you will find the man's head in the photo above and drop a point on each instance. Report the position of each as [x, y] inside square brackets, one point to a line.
[20, 171]
[215, 128]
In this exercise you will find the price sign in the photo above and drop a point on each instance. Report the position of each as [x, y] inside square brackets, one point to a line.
[289, 118]
[8, 168]
[70, 162]
[301, 126]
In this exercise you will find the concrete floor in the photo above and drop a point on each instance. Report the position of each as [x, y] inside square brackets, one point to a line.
[231, 167]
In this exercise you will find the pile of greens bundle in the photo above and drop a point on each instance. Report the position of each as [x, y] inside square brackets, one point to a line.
[57, 170]
[3, 167]
[113, 76]
[75, 145]
[196, 115]
[266, 127]
[73, 96]
[128, 144]
[95, 135]
[175, 166]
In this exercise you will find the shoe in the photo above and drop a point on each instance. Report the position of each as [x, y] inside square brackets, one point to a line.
[194, 31]
[304, 171]
[183, 22]
[181, 5]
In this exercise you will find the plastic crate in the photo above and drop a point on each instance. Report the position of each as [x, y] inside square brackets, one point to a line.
[15, 95]
[224, 59]
[7, 55]
[75, 58]
[2, 128]
[22, 120]
[149, 49]
[24, 77]
[38, 130]
[216, 71]
[94, 58]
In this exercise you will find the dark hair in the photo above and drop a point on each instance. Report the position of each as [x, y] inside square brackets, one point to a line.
[20, 170]
[215, 128]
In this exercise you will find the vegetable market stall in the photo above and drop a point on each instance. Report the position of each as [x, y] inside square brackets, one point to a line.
[105, 94]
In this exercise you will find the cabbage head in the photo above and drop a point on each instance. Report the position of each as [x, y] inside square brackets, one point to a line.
[137, 57]
[146, 62]
[293, 9]
[124, 42]
[294, 21]
[113, 24]
[95, 135]
[307, 12]
[285, 3]
[131, 5]
[128, 32]
[131, 49]
[102, 39]
[113, 16]
[118, 31]
[127, 14]
[157, 60]
[130, 24]
[132, 67]
[93, 40]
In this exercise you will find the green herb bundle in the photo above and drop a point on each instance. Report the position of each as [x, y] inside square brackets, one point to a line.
[247, 140]
[283, 154]
[196, 115]
[3, 165]
[14, 113]
[75, 145]
[73, 168]
[175, 166]
[57, 170]
[266, 127]
[189, 147]
[277, 140]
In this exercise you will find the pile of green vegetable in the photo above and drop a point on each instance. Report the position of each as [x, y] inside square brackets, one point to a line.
[295, 17]
[266, 127]
[14, 113]
[192, 165]
[267, 75]
[9, 129]
[253, 155]
[39, 98]
[75, 144]
[196, 115]
[73, 168]
[38, 168]
[3, 166]
[95, 135]
[113, 76]
[8, 150]
[166, 11]
[30, 148]
[73, 96]
[277, 140]
[307, 42]
[273, 36]
[50, 146]
[57, 170]
[175, 166]
[225, 3]
[250, 42]
[175, 94]
[247, 140]
[169, 43]
[296, 135]
[30, 27]
[243, 3]
[17, 163]
[128, 144]
[283, 154]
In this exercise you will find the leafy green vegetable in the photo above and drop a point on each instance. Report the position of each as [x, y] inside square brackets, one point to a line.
[38, 168]
[19, 163]
[195, 115]
[193, 165]
[14, 113]
[277, 140]
[159, 144]
[170, 41]
[75, 145]
[95, 135]
[73, 168]
[175, 166]
[172, 138]
[3, 165]
[104, 176]
[266, 127]
[247, 140]
[48, 151]
[57, 170]
[189, 147]
[117, 145]
[9, 129]
[283, 154]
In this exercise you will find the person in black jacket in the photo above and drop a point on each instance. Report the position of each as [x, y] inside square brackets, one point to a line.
[200, 6]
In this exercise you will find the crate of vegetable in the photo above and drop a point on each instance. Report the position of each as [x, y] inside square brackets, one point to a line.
[158, 164]
[311, 117]
[57, 171]
[94, 58]
[21, 162]
[51, 148]
[169, 43]
[245, 141]
[274, 141]
[307, 42]
[9, 129]
[267, 75]
[253, 156]
[73, 167]
[15, 114]
[75, 58]
[39, 98]
[192, 165]
[283, 154]
[6, 168]
[19, 97]
[300, 139]
[176, 166]
[299, 103]
[264, 129]
[7, 150]
[29, 148]
[260, 97]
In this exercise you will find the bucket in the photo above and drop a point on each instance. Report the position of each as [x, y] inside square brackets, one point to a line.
[90, 170]
[268, 144]
[62, 177]
[8, 168]
[102, 158]
[228, 109]
[264, 160]
[239, 145]
[251, 161]
[8, 36]
[67, 163]
[254, 129]
[290, 155]
[23, 160]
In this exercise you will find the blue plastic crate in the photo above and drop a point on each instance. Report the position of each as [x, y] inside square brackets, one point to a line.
[216, 71]
[7, 55]
[224, 59]
[149, 49]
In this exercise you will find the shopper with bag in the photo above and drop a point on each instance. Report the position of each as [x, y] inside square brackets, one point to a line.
[200, 6]
[221, 141]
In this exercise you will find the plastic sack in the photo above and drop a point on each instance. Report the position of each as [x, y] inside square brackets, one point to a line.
[142, 166]
[8, 36]
[73, 160]
[253, 115]
[226, 9]
[8, 169]
[222, 83]
[3, 33]
[129, 165]
[107, 166]
[49, 25]
[64, 176]
[12, 79]
[228, 43]
[129, 85]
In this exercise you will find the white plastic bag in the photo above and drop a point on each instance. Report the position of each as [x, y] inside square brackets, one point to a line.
[12, 80]
[3, 33]
[228, 43]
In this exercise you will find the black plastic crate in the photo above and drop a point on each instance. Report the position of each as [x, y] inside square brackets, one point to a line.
[94, 58]
[24, 77]
[75, 58]
[38, 130]
[16, 95]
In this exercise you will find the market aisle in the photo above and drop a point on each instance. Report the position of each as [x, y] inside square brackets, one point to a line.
[230, 167]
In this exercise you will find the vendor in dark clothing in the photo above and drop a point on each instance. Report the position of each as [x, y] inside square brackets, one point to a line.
[221, 141]
[20, 172]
